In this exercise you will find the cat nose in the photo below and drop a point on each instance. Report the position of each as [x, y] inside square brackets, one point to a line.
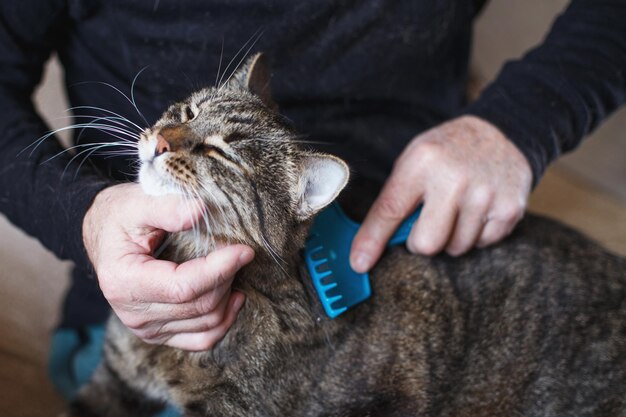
[162, 146]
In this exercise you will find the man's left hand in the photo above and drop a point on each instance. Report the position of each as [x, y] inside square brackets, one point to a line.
[474, 184]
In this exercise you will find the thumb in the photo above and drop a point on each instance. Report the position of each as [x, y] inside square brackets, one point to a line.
[172, 213]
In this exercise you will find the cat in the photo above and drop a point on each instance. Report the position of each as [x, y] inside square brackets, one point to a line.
[534, 326]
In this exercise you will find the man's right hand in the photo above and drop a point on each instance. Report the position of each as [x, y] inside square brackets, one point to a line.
[188, 306]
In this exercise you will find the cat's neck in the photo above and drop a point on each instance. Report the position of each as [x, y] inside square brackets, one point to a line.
[282, 287]
[274, 270]
[279, 295]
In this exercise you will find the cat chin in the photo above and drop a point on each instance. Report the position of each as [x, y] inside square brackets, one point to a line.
[152, 184]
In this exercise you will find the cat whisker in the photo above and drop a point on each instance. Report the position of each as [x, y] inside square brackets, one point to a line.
[114, 154]
[88, 151]
[207, 217]
[219, 66]
[166, 242]
[114, 119]
[106, 111]
[117, 122]
[101, 127]
[125, 137]
[275, 256]
[130, 134]
[99, 145]
[111, 130]
[132, 94]
[257, 34]
[225, 219]
[94, 151]
[131, 101]
[191, 197]
[189, 203]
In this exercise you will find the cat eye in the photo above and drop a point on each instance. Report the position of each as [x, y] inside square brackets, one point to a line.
[200, 148]
[188, 114]
[233, 137]
[207, 149]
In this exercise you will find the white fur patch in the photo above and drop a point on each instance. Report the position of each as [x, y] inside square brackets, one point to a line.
[153, 182]
[146, 147]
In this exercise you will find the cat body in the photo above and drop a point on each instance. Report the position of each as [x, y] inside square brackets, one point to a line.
[535, 326]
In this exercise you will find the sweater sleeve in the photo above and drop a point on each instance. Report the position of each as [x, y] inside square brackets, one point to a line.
[559, 92]
[40, 192]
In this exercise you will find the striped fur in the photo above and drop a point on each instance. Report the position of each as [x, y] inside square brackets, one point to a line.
[535, 326]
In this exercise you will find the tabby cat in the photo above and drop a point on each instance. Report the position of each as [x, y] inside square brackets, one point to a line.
[535, 326]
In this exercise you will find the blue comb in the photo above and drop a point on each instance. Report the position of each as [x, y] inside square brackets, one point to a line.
[327, 252]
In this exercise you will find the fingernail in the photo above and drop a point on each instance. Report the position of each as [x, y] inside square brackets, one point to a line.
[246, 256]
[361, 262]
[238, 303]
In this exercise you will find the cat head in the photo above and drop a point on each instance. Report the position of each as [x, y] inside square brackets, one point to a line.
[228, 149]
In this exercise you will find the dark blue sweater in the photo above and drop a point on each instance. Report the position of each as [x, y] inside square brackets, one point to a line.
[364, 76]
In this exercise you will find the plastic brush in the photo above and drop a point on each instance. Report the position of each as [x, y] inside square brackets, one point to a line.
[327, 252]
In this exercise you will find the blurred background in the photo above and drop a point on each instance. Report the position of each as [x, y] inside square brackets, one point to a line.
[586, 189]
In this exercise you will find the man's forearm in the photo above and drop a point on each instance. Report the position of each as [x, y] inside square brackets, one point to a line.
[42, 197]
[36, 192]
[549, 100]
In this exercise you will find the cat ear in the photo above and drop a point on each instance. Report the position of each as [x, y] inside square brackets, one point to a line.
[254, 76]
[322, 178]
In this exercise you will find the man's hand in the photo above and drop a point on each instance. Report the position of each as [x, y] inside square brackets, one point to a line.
[188, 306]
[473, 182]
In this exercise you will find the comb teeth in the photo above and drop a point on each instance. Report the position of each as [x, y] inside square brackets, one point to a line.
[323, 278]
[327, 252]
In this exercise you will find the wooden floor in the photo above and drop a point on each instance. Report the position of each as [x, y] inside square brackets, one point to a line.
[32, 282]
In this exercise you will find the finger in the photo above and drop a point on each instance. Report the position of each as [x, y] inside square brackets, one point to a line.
[398, 198]
[172, 213]
[160, 281]
[493, 232]
[433, 228]
[206, 340]
[470, 222]
[162, 331]
[205, 304]
[503, 217]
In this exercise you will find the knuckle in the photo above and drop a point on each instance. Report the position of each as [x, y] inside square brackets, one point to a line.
[135, 322]
[428, 152]
[182, 292]
[459, 181]
[224, 275]
[511, 212]
[213, 320]
[482, 197]
[453, 185]
[206, 304]
[149, 334]
[391, 209]
[426, 246]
